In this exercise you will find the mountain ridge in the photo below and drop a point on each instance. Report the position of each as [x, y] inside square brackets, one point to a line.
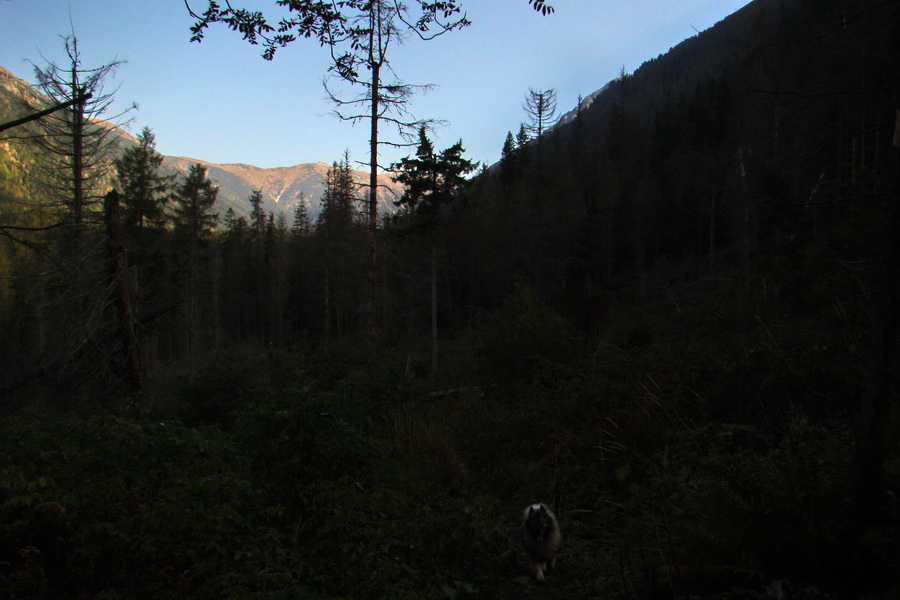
[283, 188]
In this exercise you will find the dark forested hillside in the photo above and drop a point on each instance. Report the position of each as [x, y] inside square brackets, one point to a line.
[673, 317]
[761, 130]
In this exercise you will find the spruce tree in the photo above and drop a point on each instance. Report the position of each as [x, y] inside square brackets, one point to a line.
[340, 196]
[338, 227]
[194, 221]
[194, 200]
[419, 175]
[235, 226]
[432, 181]
[522, 137]
[145, 192]
[509, 146]
[302, 225]
[509, 160]
[257, 213]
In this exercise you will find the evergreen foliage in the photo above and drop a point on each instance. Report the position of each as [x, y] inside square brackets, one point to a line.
[431, 180]
[193, 204]
[257, 214]
[145, 191]
[339, 199]
[302, 225]
[665, 328]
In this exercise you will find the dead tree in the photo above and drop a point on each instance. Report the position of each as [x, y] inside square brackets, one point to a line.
[118, 271]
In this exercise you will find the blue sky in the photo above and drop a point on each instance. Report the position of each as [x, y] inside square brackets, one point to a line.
[220, 101]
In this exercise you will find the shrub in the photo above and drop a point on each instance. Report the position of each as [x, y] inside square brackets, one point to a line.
[119, 508]
[521, 338]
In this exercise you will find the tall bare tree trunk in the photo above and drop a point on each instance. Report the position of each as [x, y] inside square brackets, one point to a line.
[216, 301]
[78, 171]
[372, 329]
[712, 232]
[327, 303]
[876, 406]
[118, 272]
[434, 311]
[745, 241]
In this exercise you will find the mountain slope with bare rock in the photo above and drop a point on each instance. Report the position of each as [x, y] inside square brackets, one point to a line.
[283, 188]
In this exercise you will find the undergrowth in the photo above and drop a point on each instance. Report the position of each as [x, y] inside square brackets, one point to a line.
[677, 472]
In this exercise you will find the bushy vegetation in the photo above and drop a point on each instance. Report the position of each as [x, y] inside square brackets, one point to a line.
[298, 498]
[113, 508]
[309, 487]
[668, 335]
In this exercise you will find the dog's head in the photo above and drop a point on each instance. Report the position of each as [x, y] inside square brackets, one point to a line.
[538, 522]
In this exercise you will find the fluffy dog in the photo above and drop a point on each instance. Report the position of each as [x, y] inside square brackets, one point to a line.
[542, 538]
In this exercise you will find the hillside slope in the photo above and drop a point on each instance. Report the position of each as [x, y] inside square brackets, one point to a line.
[282, 187]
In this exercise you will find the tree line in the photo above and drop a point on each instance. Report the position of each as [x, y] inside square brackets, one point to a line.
[186, 290]
[677, 314]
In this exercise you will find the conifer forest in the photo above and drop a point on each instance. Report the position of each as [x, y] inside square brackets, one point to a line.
[672, 316]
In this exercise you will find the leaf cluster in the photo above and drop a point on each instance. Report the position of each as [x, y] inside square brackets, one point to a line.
[330, 23]
[541, 6]
[313, 19]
